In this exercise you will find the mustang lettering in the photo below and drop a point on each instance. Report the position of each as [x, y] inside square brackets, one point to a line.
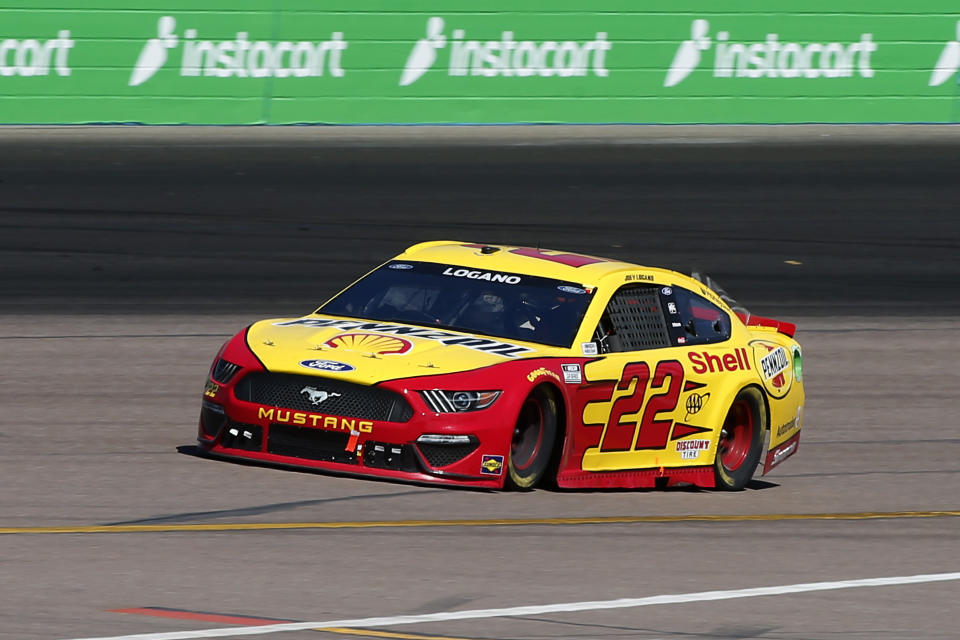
[331, 423]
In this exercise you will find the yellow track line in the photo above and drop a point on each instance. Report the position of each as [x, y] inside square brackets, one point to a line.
[384, 634]
[499, 522]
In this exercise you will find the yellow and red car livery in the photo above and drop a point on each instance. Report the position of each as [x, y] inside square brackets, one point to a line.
[492, 366]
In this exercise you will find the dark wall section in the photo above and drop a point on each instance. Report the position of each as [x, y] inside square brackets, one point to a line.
[278, 227]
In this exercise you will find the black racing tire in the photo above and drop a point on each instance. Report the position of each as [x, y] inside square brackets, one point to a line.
[534, 436]
[741, 440]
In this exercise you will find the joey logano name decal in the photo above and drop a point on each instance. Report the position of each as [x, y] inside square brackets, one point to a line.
[478, 344]
[481, 275]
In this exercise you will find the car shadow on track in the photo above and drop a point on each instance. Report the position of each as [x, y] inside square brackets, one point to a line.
[197, 452]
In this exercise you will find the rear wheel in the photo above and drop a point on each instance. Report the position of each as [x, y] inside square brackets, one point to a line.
[741, 441]
[534, 435]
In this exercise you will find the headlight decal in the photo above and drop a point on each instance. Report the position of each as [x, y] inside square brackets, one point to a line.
[441, 401]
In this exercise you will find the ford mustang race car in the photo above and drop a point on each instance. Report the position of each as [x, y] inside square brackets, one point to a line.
[499, 366]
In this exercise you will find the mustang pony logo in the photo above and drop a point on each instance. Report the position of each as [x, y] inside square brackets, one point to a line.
[316, 396]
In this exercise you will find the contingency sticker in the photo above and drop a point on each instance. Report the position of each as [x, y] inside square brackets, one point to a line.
[572, 374]
[491, 465]
[690, 449]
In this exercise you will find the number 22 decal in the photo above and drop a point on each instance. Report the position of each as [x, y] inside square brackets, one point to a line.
[654, 432]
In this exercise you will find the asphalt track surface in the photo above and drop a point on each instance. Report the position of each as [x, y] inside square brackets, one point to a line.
[129, 256]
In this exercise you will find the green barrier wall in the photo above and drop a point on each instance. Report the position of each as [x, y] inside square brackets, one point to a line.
[407, 61]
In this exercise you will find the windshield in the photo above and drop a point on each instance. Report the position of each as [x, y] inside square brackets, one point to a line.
[494, 303]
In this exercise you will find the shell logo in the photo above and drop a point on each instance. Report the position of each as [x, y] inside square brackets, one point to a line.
[370, 343]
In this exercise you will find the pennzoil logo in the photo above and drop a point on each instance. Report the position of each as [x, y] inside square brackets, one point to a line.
[774, 363]
[378, 344]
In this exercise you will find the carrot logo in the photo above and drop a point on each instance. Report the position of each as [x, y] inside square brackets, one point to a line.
[948, 63]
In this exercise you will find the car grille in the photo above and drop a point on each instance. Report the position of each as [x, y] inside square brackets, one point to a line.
[309, 444]
[331, 397]
[441, 455]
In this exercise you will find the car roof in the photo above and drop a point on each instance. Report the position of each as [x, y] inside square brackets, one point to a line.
[547, 263]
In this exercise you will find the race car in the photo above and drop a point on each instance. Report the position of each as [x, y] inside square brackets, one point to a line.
[497, 366]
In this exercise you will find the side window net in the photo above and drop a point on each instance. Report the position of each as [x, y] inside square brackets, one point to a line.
[637, 320]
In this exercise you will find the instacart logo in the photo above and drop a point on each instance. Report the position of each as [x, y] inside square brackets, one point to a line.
[505, 57]
[240, 57]
[770, 58]
[31, 57]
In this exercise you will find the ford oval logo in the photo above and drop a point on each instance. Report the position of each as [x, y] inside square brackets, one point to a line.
[401, 265]
[574, 290]
[326, 365]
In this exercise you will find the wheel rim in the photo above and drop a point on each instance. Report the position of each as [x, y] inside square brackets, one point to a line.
[736, 436]
[527, 435]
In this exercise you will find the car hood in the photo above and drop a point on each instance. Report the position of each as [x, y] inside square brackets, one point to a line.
[367, 351]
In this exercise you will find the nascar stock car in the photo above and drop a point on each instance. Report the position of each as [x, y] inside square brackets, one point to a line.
[499, 366]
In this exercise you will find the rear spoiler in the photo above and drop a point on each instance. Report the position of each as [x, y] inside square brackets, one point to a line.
[786, 328]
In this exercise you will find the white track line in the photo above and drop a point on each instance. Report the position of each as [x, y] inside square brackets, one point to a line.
[623, 603]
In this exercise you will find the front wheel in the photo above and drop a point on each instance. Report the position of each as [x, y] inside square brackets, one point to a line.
[741, 441]
[534, 435]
